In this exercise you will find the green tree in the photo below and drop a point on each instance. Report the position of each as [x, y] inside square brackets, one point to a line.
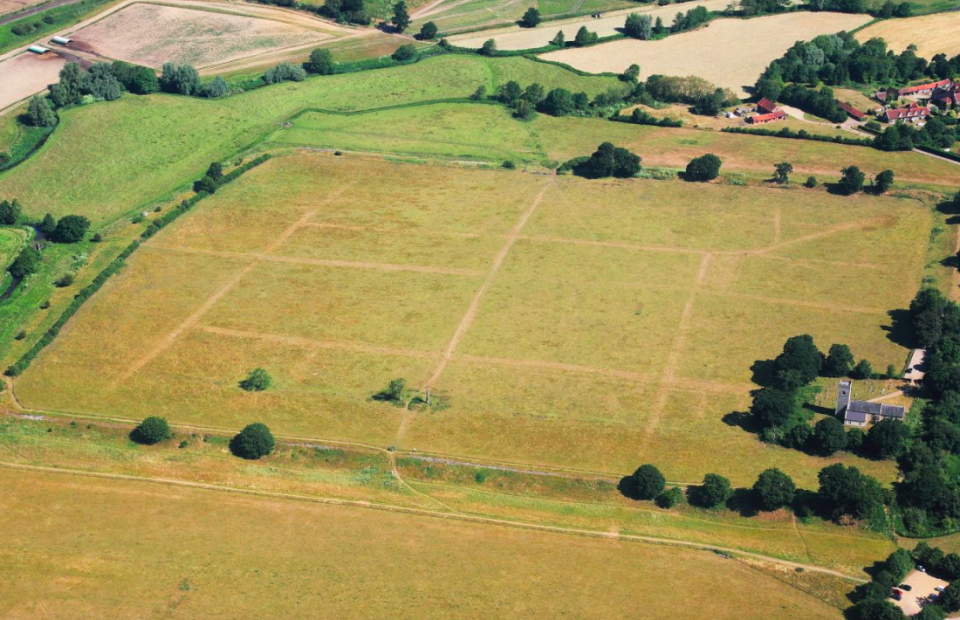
[39, 112]
[531, 19]
[846, 491]
[703, 168]
[638, 26]
[647, 482]
[774, 489]
[781, 173]
[631, 74]
[48, 225]
[609, 160]
[428, 31]
[180, 79]
[9, 212]
[257, 381]
[772, 407]
[101, 83]
[253, 442]
[839, 361]
[560, 40]
[584, 37]
[670, 497]
[558, 102]
[714, 491]
[829, 436]
[151, 431]
[400, 19]
[321, 60]
[851, 180]
[874, 609]
[216, 88]
[932, 612]
[524, 110]
[70, 229]
[284, 72]
[205, 184]
[810, 183]
[949, 566]
[25, 264]
[863, 370]
[887, 438]
[884, 181]
[215, 171]
[710, 104]
[801, 354]
[143, 81]
[899, 563]
[950, 598]
[69, 90]
[489, 47]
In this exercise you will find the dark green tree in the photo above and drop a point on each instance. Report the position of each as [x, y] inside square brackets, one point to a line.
[257, 381]
[321, 60]
[772, 407]
[558, 102]
[949, 566]
[101, 82]
[846, 491]
[631, 74]
[531, 19]
[253, 442]
[863, 370]
[143, 81]
[839, 361]
[39, 112]
[585, 37]
[950, 598]
[810, 183]
[647, 482]
[70, 229]
[887, 439]
[774, 489]
[205, 184]
[609, 160]
[428, 31]
[874, 609]
[215, 171]
[714, 491]
[851, 180]
[829, 436]
[560, 40]
[670, 497]
[9, 212]
[151, 431]
[781, 173]
[801, 354]
[884, 181]
[931, 612]
[400, 19]
[26, 263]
[180, 79]
[638, 26]
[215, 88]
[703, 168]
[489, 47]
[48, 225]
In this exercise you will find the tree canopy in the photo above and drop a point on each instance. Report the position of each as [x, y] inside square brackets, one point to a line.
[253, 442]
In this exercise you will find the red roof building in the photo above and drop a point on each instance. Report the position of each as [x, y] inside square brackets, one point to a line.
[913, 112]
[946, 96]
[854, 113]
[759, 119]
[920, 90]
[765, 106]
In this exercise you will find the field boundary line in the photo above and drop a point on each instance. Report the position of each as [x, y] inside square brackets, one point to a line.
[471, 312]
[338, 345]
[431, 513]
[839, 228]
[323, 262]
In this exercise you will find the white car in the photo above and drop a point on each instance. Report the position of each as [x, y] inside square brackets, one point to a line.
[921, 569]
[939, 588]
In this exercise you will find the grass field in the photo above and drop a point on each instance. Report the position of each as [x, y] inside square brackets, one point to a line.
[11, 240]
[152, 34]
[177, 137]
[682, 112]
[454, 15]
[232, 553]
[932, 34]
[737, 67]
[620, 328]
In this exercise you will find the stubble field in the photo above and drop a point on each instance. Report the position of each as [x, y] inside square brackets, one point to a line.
[932, 34]
[731, 53]
[570, 323]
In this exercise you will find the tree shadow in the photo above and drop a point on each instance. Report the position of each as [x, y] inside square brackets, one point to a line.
[764, 372]
[900, 331]
[951, 261]
[743, 420]
[834, 188]
[628, 488]
[948, 207]
[744, 502]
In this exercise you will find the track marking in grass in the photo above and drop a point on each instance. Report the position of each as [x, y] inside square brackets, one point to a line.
[839, 228]
[796, 302]
[322, 262]
[389, 231]
[776, 225]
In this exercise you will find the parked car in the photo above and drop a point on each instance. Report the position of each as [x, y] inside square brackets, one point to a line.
[896, 594]
[939, 588]
[906, 587]
[921, 568]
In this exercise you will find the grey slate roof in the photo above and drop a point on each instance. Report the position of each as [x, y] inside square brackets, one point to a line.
[859, 410]
[855, 416]
[862, 406]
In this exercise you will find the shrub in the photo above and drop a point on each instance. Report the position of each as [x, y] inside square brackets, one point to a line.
[65, 280]
[489, 47]
[205, 185]
[321, 61]
[714, 491]
[404, 53]
[531, 19]
[810, 183]
[284, 72]
[39, 112]
[394, 392]
[670, 498]
[428, 31]
[70, 229]
[508, 164]
[703, 168]
[26, 263]
[647, 482]
[216, 88]
[257, 381]
[179, 79]
[774, 489]
[609, 160]
[253, 442]
[151, 431]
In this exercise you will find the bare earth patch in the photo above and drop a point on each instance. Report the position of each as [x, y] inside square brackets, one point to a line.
[27, 74]
[731, 53]
[9, 6]
[932, 34]
[527, 38]
[150, 34]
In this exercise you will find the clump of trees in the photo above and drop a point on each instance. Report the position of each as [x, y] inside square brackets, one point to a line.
[703, 168]
[585, 37]
[255, 441]
[70, 229]
[607, 161]
[345, 11]
[935, 134]
[638, 26]
[10, 212]
[428, 32]
[395, 393]
[401, 18]
[26, 263]
[320, 63]
[151, 431]
[531, 19]
[284, 72]
[257, 381]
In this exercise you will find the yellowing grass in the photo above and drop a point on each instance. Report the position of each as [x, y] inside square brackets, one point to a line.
[932, 34]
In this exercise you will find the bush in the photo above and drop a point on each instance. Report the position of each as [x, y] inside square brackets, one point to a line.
[703, 168]
[810, 183]
[26, 263]
[609, 160]
[284, 72]
[531, 19]
[404, 53]
[648, 482]
[774, 489]
[253, 442]
[428, 31]
[489, 47]
[257, 381]
[65, 280]
[39, 112]
[151, 431]
[670, 498]
[70, 229]
[321, 62]
[714, 491]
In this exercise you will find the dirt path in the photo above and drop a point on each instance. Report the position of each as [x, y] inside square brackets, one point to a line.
[6, 19]
[335, 345]
[433, 513]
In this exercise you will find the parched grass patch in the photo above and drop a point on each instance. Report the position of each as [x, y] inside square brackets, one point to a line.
[327, 555]
[932, 34]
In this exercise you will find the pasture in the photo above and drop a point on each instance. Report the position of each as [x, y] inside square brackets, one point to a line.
[152, 34]
[590, 325]
[233, 552]
[458, 15]
[517, 38]
[932, 34]
[731, 53]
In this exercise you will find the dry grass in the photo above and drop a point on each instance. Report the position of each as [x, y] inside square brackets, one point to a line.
[709, 52]
[9, 6]
[27, 74]
[932, 34]
[152, 34]
[621, 326]
[232, 554]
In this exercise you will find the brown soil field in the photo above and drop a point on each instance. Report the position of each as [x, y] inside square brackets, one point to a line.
[731, 53]
[26, 74]
[932, 34]
[150, 34]
[517, 38]
[9, 6]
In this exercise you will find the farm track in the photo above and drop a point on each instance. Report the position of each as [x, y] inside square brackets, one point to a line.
[436, 514]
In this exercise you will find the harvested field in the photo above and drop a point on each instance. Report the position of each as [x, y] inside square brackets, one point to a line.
[9, 6]
[739, 50]
[517, 38]
[454, 15]
[232, 553]
[932, 34]
[26, 74]
[618, 326]
[152, 34]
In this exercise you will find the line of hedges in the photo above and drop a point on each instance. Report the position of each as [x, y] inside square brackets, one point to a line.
[115, 266]
[948, 154]
[799, 135]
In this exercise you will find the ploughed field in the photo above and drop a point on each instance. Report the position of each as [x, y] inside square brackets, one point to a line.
[564, 322]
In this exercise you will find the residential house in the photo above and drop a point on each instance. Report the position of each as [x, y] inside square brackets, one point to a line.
[912, 113]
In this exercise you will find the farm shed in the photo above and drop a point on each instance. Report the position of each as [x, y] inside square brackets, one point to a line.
[852, 112]
[61, 40]
[38, 49]
[859, 412]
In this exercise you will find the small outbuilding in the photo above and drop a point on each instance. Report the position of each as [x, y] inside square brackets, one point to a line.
[59, 40]
[38, 49]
